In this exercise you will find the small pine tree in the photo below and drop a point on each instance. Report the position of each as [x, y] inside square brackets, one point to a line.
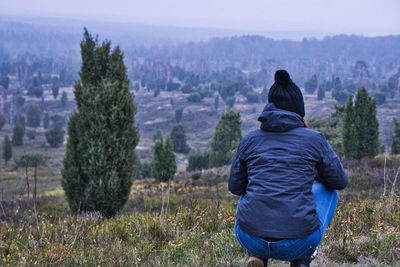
[178, 115]
[226, 138]
[216, 102]
[198, 161]
[46, 121]
[163, 166]
[33, 115]
[230, 101]
[64, 99]
[145, 170]
[311, 84]
[18, 134]
[7, 149]
[321, 93]
[55, 89]
[2, 121]
[338, 92]
[157, 135]
[178, 137]
[395, 149]
[31, 134]
[20, 119]
[55, 136]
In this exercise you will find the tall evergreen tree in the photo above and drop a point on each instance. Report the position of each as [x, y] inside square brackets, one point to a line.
[7, 149]
[178, 115]
[2, 121]
[18, 134]
[366, 124]
[348, 130]
[216, 102]
[64, 99]
[396, 138]
[178, 137]
[163, 166]
[226, 137]
[46, 121]
[33, 115]
[99, 163]
[360, 127]
[54, 89]
[321, 93]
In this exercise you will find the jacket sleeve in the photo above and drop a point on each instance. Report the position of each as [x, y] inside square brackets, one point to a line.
[238, 179]
[330, 170]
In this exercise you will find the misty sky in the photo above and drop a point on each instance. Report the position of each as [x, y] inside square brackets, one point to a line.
[367, 17]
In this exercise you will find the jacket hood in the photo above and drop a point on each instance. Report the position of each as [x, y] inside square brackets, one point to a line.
[278, 120]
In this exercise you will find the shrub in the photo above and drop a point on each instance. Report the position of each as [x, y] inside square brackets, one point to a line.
[198, 160]
[31, 134]
[178, 137]
[194, 97]
[55, 136]
[30, 160]
[33, 115]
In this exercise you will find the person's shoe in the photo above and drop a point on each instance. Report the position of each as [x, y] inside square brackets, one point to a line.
[300, 263]
[255, 262]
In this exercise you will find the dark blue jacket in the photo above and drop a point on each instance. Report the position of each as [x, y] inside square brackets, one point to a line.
[274, 169]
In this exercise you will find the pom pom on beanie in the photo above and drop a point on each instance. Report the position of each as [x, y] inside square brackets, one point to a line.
[282, 77]
[285, 94]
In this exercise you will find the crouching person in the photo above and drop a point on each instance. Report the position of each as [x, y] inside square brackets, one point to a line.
[287, 176]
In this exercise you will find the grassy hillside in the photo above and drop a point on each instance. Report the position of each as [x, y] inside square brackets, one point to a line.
[188, 223]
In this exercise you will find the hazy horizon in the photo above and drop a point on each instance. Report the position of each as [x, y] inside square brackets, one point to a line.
[372, 18]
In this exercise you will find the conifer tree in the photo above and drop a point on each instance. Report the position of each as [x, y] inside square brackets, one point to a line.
[360, 127]
[226, 138]
[99, 163]
[348, 130]
[178, 137]
[64, 99]
[311, 84]
[46, 121]
[178, 115]
[18, 134]
[54, 89]
[33, 115]
[163, 166]
[2, 121]
[198, 160]
[216, 102]
[395, 149]
[366, 125]
[7, 149]
[321, 93]
[157, 135]
[55, 136]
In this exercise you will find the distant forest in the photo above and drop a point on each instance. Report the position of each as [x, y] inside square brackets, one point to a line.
[27, 50]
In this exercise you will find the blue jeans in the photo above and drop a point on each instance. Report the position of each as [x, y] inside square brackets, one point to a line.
[293, 249]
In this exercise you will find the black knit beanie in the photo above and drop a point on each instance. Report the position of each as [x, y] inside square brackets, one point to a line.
[285, 94]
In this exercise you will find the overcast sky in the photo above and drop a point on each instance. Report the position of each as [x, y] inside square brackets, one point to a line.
[367, 17]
